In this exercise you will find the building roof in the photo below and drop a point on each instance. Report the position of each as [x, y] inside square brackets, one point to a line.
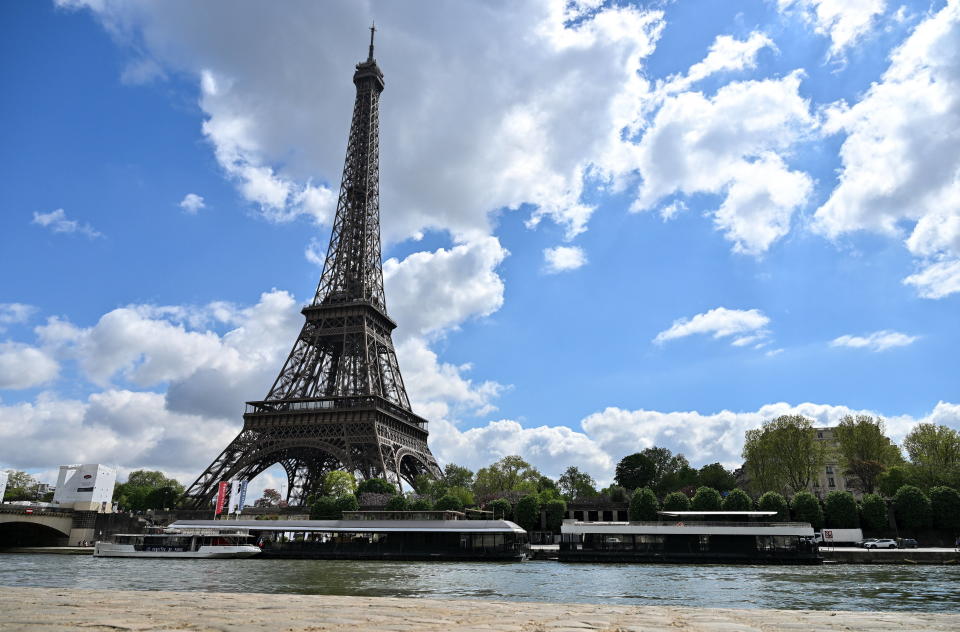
[358, 526]
[718, 513]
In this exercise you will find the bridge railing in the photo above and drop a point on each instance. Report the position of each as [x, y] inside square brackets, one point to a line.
[25, 510]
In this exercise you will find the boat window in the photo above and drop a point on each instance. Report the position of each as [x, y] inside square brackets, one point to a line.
[704, 542]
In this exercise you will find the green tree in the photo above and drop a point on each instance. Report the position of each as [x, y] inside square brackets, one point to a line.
[806, 508]
[644, 505]
[893, 479]
[574, 484]
[325, 508]
[457, 476]
[462, 494]
[397, 503]
[671, 471]
[682, 477]
[935, 454]
[347, 503]
[141, 491]
[706, 499]
[864, 450]
[840, 510]
[555, 510]
[376, 486]
[945, 508]
[338, 484]
[511, 473]
[717, 477]
[635, 471]
[449, 503]
[676, 501]
[421, 503]
[773, 501]
[528, 512]
[165, 497]
[873, 512]
[616, 494]
[912, 507]
[20, 486]
[147, 478]
[783, 452]
[737, 500]
[501, 508]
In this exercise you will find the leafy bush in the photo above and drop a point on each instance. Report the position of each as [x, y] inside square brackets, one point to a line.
[840, 510]
[555, 510]
[873, 512]
[945, 505]
[676, 501]
[912, 507]
[421, 503]
[737, 500]
[397, 503]
[772, 501]
[347, 503]
[528, 512]
[706, 499]
[376, 486]
[644, 505]
[449, 502]
[617, 494]
[325, 508]
[501, 508]
[806, 508]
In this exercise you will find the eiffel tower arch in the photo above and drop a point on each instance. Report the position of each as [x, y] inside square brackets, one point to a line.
[339, 402]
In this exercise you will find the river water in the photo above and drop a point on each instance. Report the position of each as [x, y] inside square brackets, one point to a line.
[828, 587]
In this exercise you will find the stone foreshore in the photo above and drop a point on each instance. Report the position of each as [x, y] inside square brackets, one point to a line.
[65, 609]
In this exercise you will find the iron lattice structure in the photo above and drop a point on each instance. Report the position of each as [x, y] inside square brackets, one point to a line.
[339, 401]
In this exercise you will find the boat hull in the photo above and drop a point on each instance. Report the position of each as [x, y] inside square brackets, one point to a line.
[107, 549]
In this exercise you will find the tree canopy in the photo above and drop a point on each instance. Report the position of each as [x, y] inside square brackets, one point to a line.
[873, 512]
[375, 486]
[20, 486]
[864, 450]
[147, 489]
[706, 499]
[806, 508]
[676, 501]
[934, 451]
[527, 512]
[945, 508]
[912, 507]
[644, 505]
[511, 473]
[716, 476]
[774, 501]
[338, 484]
[574, 483]
[840, 510]
[783, 453]
[737, 500]
[635, 471]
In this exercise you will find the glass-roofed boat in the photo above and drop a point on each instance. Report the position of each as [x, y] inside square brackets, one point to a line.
[197, 543]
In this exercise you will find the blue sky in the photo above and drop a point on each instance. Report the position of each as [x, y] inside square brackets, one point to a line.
[607, 227]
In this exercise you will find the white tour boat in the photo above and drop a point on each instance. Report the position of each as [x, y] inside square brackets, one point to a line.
[179, 543]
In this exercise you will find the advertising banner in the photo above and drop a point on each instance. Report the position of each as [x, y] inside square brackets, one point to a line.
[243, 496]
[221, 497]
[3, 483]
[234, 496]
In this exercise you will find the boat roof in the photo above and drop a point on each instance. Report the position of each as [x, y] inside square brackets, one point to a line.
[717, 513]
[358, 526]
[689, 528]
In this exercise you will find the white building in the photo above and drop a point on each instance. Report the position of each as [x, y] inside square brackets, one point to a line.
[3, 483]
[86, 487]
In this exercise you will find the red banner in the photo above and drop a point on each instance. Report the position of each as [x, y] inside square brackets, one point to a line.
[221, 497]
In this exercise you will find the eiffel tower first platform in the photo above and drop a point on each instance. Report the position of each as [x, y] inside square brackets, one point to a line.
[339, 402]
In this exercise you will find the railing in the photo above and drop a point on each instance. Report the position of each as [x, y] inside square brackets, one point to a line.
[697, 523]
[36, 511]
[330, 403]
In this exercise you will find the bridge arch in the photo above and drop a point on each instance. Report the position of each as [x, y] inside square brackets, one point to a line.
[21, 533]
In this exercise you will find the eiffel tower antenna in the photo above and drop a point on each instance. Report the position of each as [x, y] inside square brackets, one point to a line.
[373, 29]
[339, 402]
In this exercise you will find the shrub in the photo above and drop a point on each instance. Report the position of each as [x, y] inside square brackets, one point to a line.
[325, 508]
[806, 508]
[840, 510]
[737, 500]
[676, 501]
[347, 503]
[873, 512]
[555, 510]
[376, 486]
[397, 503]
[945, 506]
[706, 499]
[528, 512]
[449, 502]
[501, 508]
[463, 494]
[421, 503]
[772, 501]
[617, 494]
[643, 505]
[912, 507]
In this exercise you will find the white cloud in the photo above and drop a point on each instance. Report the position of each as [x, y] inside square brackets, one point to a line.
[15, 313]
[191, 203]
[730, 144]
[57, 222]
[901, 156]
[23, 366]
[877, 341]
[843, 21]
[564, 258]
[726, 54]
[749, 326]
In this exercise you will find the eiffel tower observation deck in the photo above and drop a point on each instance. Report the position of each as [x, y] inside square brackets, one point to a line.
[339, 402]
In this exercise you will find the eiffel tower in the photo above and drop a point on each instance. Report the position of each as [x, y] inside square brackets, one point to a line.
[339, 402]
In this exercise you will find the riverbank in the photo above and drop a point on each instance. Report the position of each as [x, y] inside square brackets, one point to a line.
[102, 610]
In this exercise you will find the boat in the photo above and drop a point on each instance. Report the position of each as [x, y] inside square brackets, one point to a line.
[726, 537]
[203, 543]
[384, 537]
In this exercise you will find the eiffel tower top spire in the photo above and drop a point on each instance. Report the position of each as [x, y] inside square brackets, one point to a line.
[373, 29]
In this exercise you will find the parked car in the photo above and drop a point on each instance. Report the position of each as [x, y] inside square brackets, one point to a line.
[908, 543]
[863, 543]
[881, 544]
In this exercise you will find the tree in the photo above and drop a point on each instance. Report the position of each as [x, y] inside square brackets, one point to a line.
[528, 512]
[873, 512]
[717, 477]
[945, 508]
[806, 508]
[635, 471]
[511, 473]
[706, 499]
[449, 503]
[644, 505]
[682, 477]
[575, 484]
[864, 450]
[671, 471]
[457, 476]
[501, 509]
[935, 454]
[375, 486]
[338, 484]
[737, 500]
[462, 494]
[397, 503]
[20, 486]
[554, 511]
[676, 501]
[893, 479]
[141, 491]
[616, 494]
[165, 497]
[420, 503]
[325, 508]
[347, 503]
[912, 507]
[270, 498]
[773, 501]
[783, 453]
[840, 510]
[147, 478]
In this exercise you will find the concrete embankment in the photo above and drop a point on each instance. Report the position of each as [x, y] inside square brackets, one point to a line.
[890, 556]
[67, 609]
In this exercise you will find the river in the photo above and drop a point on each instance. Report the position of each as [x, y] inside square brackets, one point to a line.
[828, 587]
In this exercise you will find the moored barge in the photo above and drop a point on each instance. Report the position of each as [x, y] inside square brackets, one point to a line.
[692, 537]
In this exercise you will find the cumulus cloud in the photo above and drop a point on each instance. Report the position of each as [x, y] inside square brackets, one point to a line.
[901, 155]
[747, 326]
[564, 258]
[877, 341]
[726, 54]
[843, 21]
[192, 203]
[15, 314]
[23, 366]
[57, 222]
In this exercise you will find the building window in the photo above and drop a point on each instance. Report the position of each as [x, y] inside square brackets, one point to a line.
[831, 482]
[819, 435]
[829, 469]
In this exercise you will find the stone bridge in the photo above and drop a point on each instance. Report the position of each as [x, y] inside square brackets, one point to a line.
[40, 526]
